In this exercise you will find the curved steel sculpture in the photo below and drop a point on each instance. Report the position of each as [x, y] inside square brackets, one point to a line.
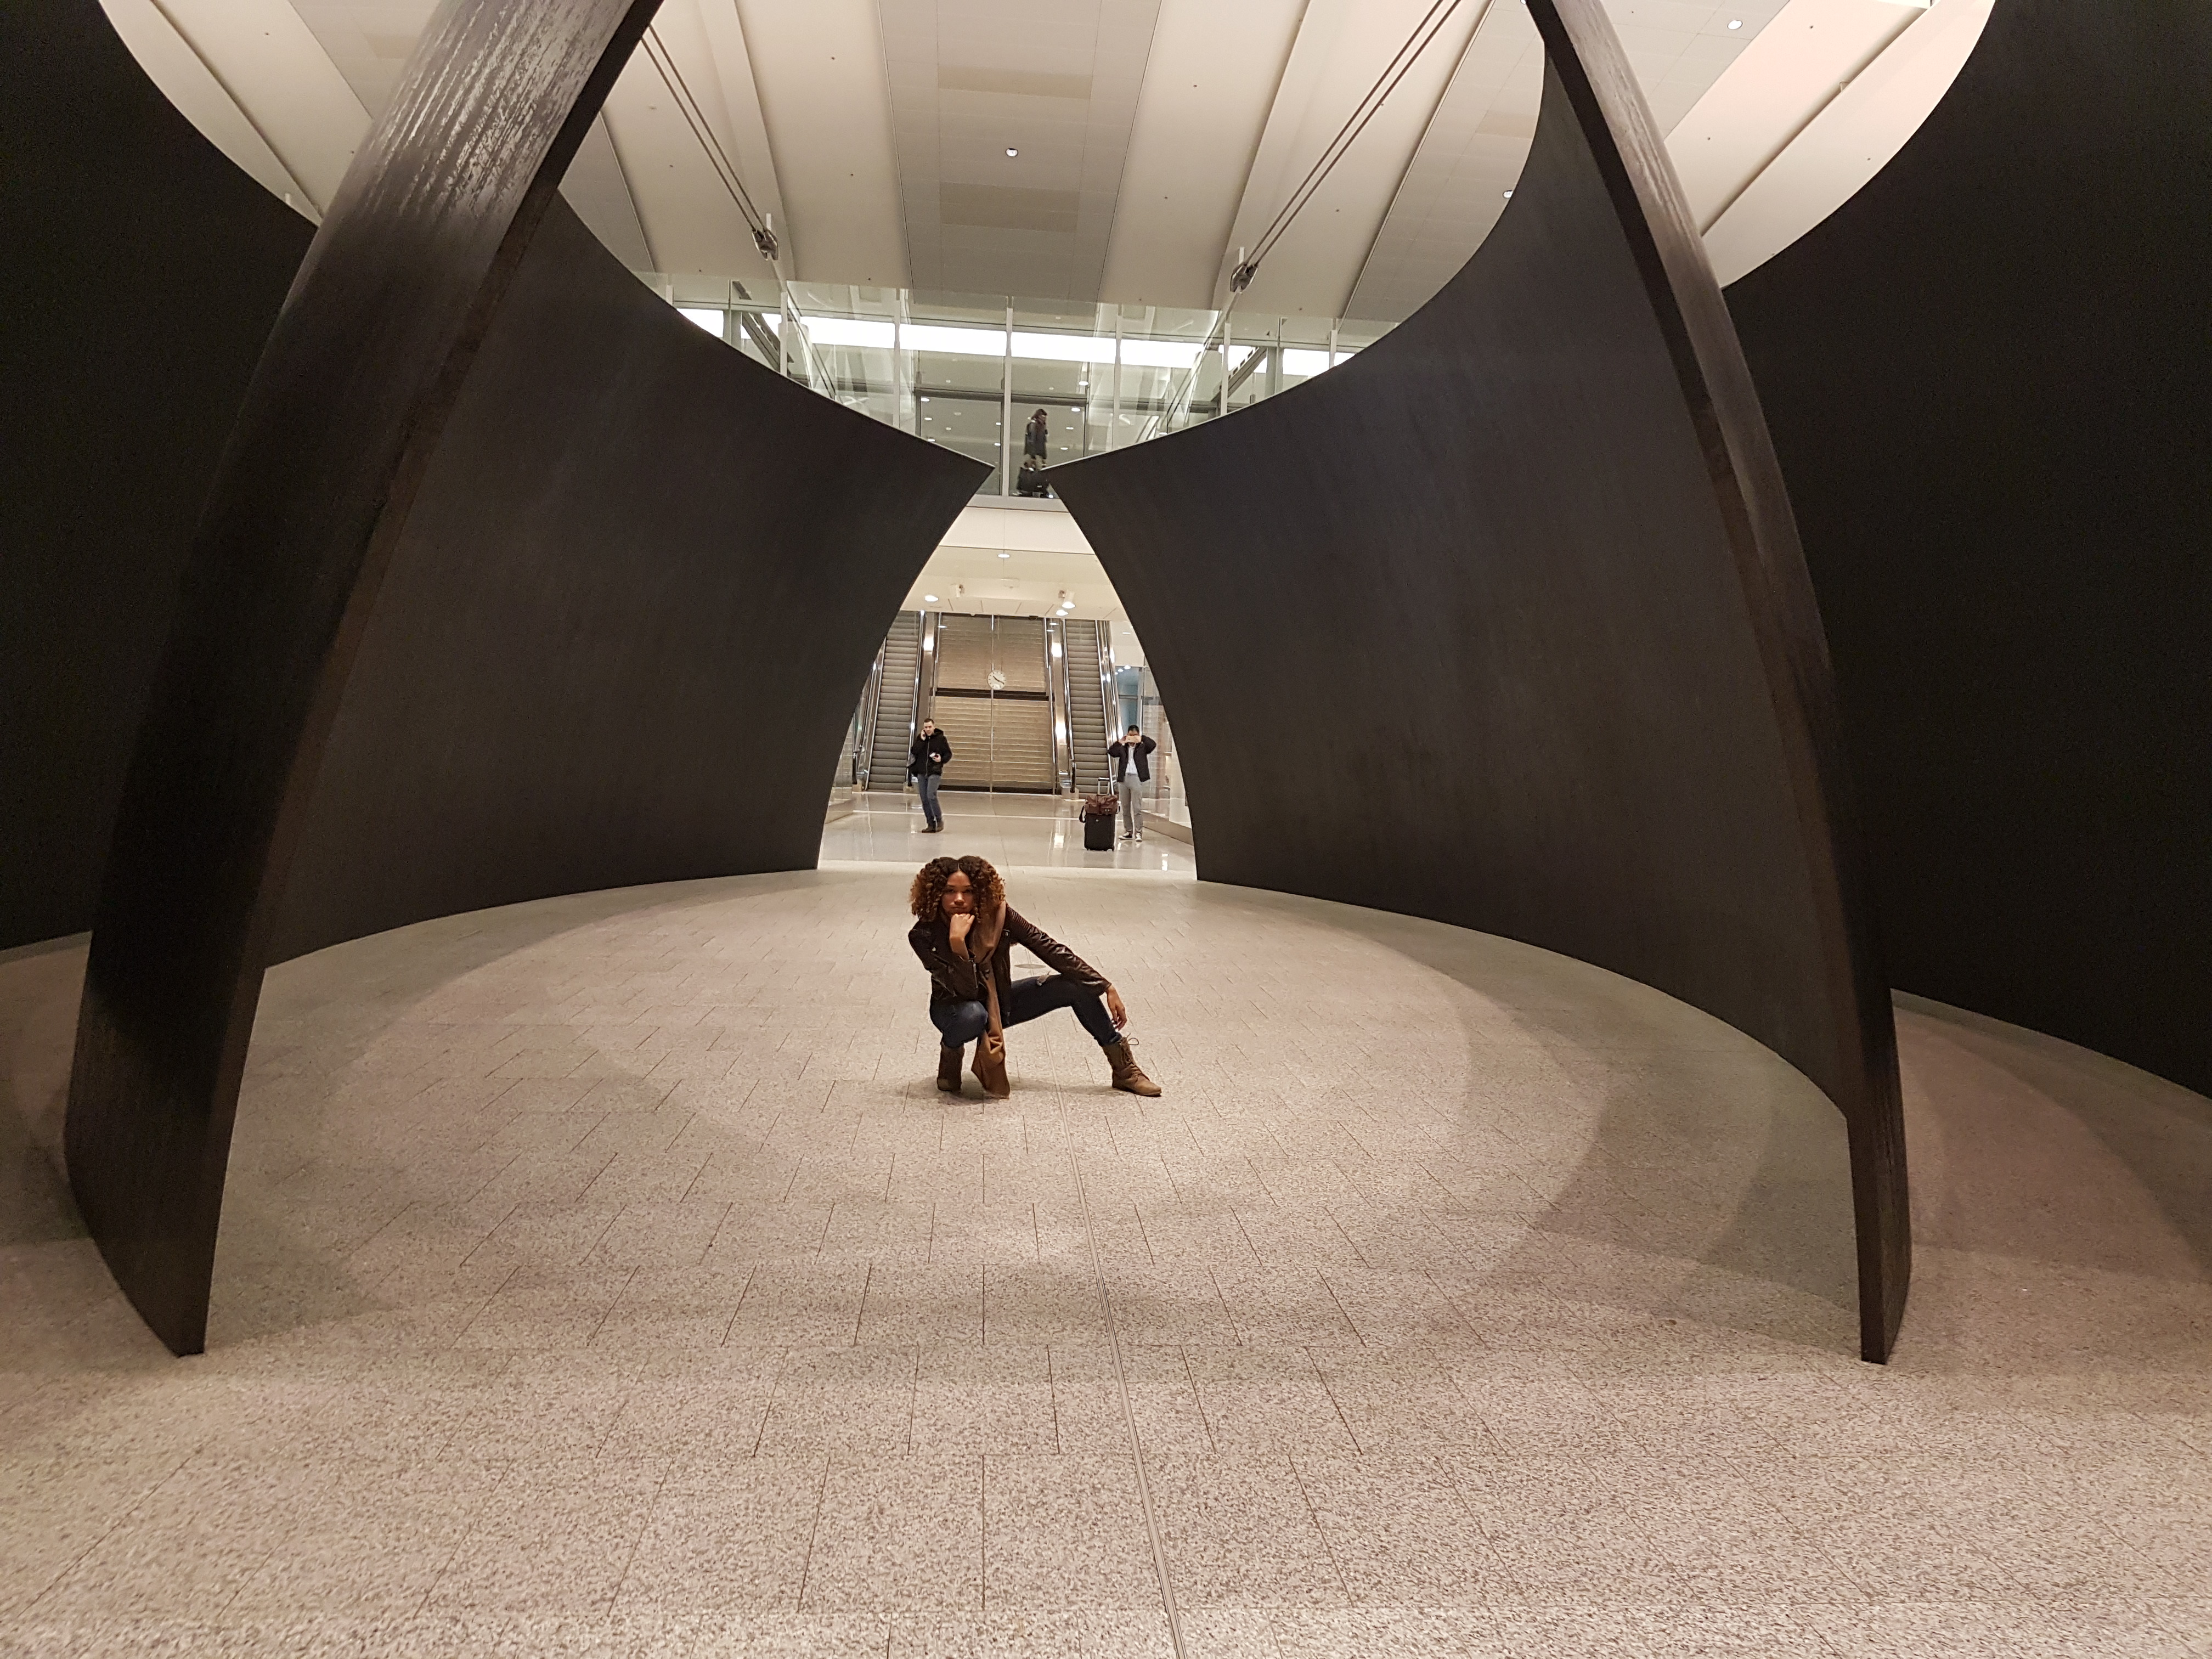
[113, 421]
[1582, 696]
[337, 438]
[1989, 375]
[622, 634]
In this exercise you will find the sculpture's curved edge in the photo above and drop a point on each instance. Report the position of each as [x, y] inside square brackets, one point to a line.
[622, 634]
[336, 432]
[340, 432]
[1754, 502]
[1373, 436]
[1986, 374]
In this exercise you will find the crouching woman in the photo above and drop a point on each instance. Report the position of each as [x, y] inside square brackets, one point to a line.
[964, 931]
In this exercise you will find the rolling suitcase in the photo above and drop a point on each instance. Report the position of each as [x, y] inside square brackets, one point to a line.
[1098, 824]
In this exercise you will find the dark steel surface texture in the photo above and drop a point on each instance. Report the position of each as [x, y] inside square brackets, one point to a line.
[1989, 376]
[142, 272]
[621, 638]
[336, 430]
[1504, 623]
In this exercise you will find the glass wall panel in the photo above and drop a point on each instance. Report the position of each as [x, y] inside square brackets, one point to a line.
[1063, 367]
[1161, 350]
[947, 368]
[957, 355]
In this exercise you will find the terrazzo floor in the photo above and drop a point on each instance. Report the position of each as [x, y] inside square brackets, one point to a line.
[606, 1276]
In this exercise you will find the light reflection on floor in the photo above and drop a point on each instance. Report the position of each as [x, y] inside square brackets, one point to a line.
[1013, 831]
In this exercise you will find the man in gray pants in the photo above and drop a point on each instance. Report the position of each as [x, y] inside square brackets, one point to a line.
[1133, 770]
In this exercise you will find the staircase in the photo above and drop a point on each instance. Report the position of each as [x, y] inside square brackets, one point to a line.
[992, 703]
[893, 744]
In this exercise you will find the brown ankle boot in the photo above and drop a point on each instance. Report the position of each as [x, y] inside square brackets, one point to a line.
[1128, 1076]
[948, 1067]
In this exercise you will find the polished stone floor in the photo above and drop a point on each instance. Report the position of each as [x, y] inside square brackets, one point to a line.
[605, 1276]
[1039, 831]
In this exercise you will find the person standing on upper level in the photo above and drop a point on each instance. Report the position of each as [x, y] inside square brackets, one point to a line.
[1133, 770]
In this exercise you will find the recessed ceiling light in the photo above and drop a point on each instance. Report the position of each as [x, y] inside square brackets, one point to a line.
[1735, 22]
[1509, 195]
[929, 598]
[1011, 150]
[925, 400]
[1005, 556]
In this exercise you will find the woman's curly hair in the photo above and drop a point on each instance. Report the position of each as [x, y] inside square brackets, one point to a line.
[927, 897]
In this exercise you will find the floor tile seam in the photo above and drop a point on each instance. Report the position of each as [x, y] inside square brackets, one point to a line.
[1320, 1375]
[114, 1527]
[1320, 1532]
[1153, 1534]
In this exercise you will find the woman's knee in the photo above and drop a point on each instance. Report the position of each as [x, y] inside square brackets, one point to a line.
[964, 1023]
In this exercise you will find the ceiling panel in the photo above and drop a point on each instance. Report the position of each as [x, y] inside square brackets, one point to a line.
[1342, 49]
[820, 68]
[1153, 138]
[971, 80]
[1455, 189]
[1849, 139]
[279, 75]
[368, 40]
[596, 188]
[688, 217]
[1212, 78]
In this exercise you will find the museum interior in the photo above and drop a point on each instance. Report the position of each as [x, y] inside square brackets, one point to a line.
[1106, 829]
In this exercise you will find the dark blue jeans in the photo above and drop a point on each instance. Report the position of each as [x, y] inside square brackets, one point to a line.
[962, 1023]
[930, 813]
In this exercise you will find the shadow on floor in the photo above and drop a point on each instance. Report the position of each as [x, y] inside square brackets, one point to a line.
[1712, 1185]
[40, 987]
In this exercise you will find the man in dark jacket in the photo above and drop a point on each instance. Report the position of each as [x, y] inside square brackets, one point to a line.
[925, 765]
[1133, 770]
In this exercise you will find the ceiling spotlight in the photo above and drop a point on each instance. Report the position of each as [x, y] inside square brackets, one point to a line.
[925, 400]
[929, 598]
[1005, 556]
[1509, 195]
[1735, 22]
[1011, 150]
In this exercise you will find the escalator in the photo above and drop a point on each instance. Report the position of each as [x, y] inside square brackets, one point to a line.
[1084, 644]
[1024, 700]
[893, 688]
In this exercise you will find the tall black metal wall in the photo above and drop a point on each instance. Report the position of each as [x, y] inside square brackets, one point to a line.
[141, 271]
[1989, 377]
[625, 625]
[609, 465]
[1575, 692]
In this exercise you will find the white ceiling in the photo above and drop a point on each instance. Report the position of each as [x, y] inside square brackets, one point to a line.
[1156, 139]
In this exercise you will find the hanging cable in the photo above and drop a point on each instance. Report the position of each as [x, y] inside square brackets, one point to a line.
[657, 50]
[1395, 70]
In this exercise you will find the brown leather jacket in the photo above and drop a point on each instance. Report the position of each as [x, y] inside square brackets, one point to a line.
[954, 978]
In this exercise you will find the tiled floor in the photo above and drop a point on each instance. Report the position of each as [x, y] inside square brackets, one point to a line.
[605, 1276]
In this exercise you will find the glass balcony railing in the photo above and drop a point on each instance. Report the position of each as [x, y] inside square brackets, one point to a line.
[1018, 385]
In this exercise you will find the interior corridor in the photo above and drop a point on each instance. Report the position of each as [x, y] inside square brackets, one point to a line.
[605, 1276]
